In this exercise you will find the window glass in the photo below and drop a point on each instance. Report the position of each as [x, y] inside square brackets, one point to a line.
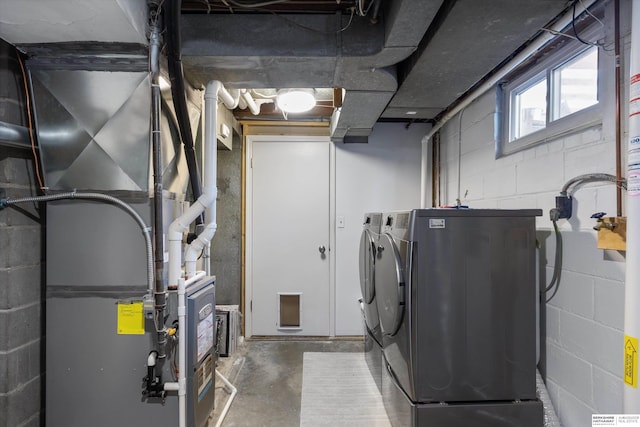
[553, 93]
[576, 84]
[529, 108]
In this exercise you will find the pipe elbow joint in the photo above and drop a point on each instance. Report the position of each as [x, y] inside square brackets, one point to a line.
[175, 232]
[212, 88]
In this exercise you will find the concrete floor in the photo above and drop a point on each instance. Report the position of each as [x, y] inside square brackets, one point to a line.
[268, 376]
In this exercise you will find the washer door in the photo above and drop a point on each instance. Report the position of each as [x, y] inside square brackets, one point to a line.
[389, 285]
[367, 261]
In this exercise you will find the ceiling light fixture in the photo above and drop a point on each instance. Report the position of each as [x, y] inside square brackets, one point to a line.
[296, 100]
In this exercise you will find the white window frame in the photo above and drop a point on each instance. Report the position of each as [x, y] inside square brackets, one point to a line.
[528, 75]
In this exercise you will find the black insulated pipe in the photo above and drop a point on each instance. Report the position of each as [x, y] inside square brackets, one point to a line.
[159, 290]
[172, 11]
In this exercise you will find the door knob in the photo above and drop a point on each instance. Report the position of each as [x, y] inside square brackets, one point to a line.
[322, 249]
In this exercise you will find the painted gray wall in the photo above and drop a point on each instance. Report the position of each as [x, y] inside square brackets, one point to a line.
[20, 265]
[382, 175]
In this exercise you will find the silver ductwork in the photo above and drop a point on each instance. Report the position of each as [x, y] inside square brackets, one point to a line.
[93, 128]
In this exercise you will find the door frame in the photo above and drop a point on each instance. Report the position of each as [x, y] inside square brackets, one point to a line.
[248, 197]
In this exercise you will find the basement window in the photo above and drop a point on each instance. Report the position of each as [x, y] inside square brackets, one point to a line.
[554, 94]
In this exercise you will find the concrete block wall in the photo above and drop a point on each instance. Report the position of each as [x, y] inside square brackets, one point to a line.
[20, 266]
[582, 351]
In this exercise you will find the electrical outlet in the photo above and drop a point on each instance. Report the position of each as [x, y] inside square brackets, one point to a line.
[564, 206]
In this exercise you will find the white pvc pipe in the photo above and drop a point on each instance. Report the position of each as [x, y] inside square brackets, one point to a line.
[631, 401]
[214, 91]
[192, 279]
[233, 391]
[248, 99]
[181, 385]
[182, 355]
[176, 229]
[510, 66]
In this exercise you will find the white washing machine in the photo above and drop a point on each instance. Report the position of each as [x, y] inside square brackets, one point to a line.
[368, 304]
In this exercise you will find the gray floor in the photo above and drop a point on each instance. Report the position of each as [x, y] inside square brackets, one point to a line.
[268, 376]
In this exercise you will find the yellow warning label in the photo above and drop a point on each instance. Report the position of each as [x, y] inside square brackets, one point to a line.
[130, 318]
[631, 361]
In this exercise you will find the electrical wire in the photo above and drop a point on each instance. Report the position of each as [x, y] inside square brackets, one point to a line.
[255, 5]
[103, 198]
[591, 14]
[557, 267]
[304, 27]
[605, 177]
[259, 95]
[364, 12]
[568, 191]
[36, 160]
[569, 36]
[573, 25]
[576, 37]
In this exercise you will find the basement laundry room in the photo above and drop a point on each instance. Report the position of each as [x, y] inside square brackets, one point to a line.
[242, 213]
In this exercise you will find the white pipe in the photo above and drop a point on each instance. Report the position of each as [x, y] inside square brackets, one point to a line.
[214, 91]
[207, 259]
[510, 66]
[233, 391]
[248, 99]
[151, 359]
[206, 201]
[182, 356]
[631, 394]
[192, 279]
[181, 385]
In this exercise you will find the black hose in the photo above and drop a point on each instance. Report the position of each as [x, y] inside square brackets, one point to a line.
[174, 61]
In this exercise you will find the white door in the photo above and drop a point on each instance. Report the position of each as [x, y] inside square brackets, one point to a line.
[288, 236]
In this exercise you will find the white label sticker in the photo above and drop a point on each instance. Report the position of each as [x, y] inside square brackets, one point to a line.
[615, 420]
[634, 160]
[436, 223]
[633, 184]
[205, 336]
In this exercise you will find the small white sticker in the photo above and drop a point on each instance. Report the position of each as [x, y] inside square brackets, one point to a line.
[633, 184]
[436, 223]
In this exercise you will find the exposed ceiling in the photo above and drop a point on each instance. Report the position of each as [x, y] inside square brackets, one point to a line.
[396, 59]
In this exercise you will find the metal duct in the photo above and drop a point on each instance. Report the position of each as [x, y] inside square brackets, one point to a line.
[93, 128]
[55, 21]
[261, 51]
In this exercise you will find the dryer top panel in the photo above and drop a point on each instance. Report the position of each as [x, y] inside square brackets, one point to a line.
[443, 212]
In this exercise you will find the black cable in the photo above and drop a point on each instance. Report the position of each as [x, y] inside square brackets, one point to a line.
[172, 13]
[555, 279]
[573, 25]
[257, 5]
